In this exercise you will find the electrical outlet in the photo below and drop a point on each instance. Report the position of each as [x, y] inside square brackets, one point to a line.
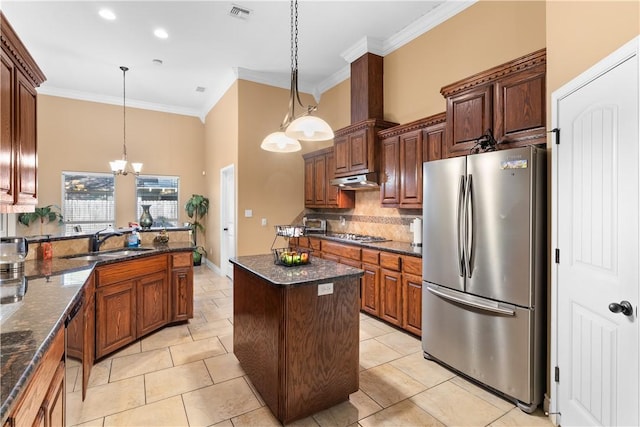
[325, 289]
[264, 222]
[248, 213]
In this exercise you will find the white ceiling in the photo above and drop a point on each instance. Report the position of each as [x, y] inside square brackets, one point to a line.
[80, 52]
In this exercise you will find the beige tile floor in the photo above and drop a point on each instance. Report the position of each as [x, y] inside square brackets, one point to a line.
[187, 375]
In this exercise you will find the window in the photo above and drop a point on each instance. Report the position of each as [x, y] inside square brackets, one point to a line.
[161, 192]
[88, 201]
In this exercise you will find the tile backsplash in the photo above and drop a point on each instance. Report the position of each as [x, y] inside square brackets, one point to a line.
[368, 217]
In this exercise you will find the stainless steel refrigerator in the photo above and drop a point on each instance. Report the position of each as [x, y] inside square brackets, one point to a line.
[484, 269]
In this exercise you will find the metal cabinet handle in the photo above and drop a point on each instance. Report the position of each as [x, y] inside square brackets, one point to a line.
[624, 307]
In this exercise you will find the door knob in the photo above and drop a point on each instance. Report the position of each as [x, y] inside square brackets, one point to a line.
[624, 307]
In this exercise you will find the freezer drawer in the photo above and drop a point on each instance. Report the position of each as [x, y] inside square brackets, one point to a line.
[489, 341]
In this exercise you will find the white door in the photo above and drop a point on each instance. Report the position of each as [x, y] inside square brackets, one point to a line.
[597, 213]
[227, 219]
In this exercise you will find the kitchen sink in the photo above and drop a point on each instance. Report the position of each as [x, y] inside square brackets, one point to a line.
[106, 255]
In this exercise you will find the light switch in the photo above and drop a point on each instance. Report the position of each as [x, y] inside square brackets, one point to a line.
[248, 213]
[325, 289]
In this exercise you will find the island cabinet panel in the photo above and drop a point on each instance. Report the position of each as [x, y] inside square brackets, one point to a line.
[42, 396]
[89, 341]
[299, 349]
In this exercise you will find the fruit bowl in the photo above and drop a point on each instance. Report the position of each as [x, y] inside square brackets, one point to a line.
[291, 257]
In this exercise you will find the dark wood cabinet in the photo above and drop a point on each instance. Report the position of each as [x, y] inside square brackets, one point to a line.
[181, 287]
[115, 317]
[89, 341]
[319, 169]
[412, 307]
[403, 150]
[391, 296]
[433, 140]
[41, 400]
[370, 293]
[19, 76]
[356, 147]
[152, 303]
[508, 99]
[131, 301]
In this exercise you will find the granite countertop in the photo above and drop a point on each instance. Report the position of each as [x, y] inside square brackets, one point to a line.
[318, 270]
[402, 248]
[28, 326]
[53, 287]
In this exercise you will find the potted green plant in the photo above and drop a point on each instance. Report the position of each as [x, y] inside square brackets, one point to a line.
[48, 213]
[196, 208]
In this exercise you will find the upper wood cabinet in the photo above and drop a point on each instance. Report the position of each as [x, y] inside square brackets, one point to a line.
[508, 99]
[356, 147]
[19, 76]
[404, 149]
[319, 169]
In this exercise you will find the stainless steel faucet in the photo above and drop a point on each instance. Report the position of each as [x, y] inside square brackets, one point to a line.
[95, 241]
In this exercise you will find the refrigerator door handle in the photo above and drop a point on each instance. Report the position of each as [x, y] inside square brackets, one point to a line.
[460, 223]
[493, 308]
[468, 225]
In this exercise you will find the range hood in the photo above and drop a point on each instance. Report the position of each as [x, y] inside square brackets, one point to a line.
[365, 181]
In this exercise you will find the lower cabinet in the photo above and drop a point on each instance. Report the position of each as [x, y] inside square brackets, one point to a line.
[131, 301]
[41, 403]
[370, 289]
[181, 287]
[412, 307]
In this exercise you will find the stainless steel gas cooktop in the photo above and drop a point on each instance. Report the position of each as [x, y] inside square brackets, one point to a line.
[361, 238]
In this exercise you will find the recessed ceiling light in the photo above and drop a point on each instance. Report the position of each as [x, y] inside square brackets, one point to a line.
[161, 33]
[107, 14]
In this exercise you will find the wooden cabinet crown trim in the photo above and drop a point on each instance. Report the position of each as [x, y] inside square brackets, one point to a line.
[14, 47]
[415, 125]
[365, 124]
[315, 153]
[488, 76]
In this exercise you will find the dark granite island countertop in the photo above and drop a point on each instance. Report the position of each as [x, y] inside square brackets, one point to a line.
[296, 332]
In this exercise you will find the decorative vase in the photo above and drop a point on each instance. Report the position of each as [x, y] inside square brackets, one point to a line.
[146, 220]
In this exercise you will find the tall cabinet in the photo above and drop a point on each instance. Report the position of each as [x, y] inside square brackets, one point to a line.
[19, 77]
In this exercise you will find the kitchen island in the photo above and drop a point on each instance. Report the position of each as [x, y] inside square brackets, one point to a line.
[296, 332]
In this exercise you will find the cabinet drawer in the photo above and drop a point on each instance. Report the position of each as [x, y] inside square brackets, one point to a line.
[370, 256]
[390, 261]
[412, 265]
[124, 270]
[182, 259]
[344, 251]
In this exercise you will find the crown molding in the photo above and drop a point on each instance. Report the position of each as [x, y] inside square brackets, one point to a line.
[362, 46]
[113, 100]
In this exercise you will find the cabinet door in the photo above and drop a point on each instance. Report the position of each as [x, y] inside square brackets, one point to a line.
[390, 185]
[152, 303]
[27, 161]
[182, 294]
[53, 404]
[309, 188]
[391, 296]
[319, 178]
[411, 169]
[337, 198]
[115, 317]
[370, 294]
[341, 152]
[7, 155]
[519, 108]
[433, 142]
[412, 303]
[359, 151]
[469, 115]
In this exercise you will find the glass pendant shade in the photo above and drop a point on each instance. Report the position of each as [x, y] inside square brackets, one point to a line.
[118, 165]
[278, 142]
[309, 128]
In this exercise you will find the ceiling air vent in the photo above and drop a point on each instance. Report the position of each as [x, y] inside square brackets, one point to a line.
[239, 12]
[200, 89]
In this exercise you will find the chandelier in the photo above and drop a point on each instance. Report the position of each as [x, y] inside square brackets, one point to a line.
[119, 167]
[305, 127]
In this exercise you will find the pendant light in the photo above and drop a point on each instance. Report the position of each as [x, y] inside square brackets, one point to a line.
[306, 127]
[119, 167]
